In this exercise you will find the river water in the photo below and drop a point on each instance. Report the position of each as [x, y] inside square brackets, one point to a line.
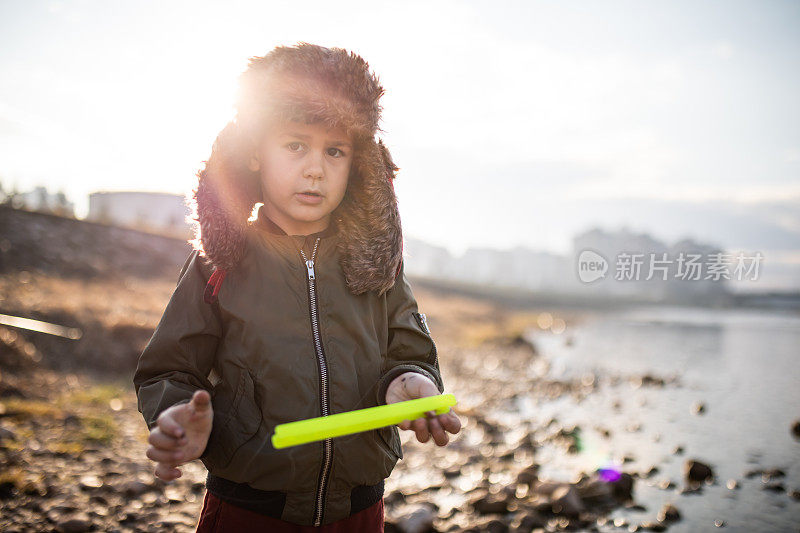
[742, 366]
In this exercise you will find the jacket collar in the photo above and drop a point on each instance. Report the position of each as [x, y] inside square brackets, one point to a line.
[265, 223]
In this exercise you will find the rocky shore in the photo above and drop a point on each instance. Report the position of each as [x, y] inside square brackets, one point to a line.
[72, 443]
[72, 453]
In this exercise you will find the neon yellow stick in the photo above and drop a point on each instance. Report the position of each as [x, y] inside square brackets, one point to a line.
[325, 427]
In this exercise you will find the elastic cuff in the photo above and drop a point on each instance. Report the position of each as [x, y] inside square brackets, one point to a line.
[154, 423]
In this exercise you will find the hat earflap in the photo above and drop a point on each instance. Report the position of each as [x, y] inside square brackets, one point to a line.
[371, 237]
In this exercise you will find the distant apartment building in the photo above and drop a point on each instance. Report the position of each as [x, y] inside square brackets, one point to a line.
[637, 267]
[642, 266]
[148, 211]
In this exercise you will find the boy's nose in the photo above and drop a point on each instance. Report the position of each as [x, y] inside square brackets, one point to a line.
[313, 172]
[314, 167]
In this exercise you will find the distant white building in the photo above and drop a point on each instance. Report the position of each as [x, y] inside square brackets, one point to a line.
[149, 211]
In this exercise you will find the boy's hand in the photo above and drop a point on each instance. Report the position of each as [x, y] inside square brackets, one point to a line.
[413, 385]
[181, 435]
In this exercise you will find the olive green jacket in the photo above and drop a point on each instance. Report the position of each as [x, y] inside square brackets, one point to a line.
[266, 361]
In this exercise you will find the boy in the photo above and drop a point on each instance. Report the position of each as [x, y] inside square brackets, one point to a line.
[314, 317]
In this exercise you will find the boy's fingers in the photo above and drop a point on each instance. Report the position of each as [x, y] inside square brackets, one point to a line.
[405, 424]
[435, 428]
[166, 472]
[159, 440]
[420, 427]
[450, 422]
[201, 401]
[169, 426]
[162, 456]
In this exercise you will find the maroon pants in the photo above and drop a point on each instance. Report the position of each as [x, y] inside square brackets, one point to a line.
[220, 516]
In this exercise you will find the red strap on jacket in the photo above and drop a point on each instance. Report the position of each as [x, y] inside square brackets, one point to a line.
[213, 285]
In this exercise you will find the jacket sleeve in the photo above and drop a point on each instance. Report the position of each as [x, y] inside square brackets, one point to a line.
[411, 347]
[180, 355]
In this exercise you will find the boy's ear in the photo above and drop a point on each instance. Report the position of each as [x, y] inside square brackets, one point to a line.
[253, 164]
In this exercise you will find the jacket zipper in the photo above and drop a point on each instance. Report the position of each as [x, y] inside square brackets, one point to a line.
[323, 370]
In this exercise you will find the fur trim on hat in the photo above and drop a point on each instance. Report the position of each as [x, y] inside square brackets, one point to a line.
[313, 84]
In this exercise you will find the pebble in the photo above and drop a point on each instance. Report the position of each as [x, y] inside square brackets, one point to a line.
[669, 513]
[566, 501]
[417, 520]
[697, 472]
[74, 525]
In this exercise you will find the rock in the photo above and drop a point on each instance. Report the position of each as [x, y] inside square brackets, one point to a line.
[678, 450]
[391, 527]
[652, 472]
[7, 490]
[774, 487]
[595, 491]
[131, 516]
[698, 408]
[697, 472]
[528, 522]
[394, 498]
[419, 520]
[623, 487]
[494, 526]
[653, 526]
[452, 472]
[529, 476]
[766, 474]
[631, 506]
[566, 501]
[134, 489]
[98, 499]
[650, 380]
[7, 434]
[669, 513]
[74, 525]
[796, 429]
[90, 482]
[773, 473]
[489, 504]
[546, 488]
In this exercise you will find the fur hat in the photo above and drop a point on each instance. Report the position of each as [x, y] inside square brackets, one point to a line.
[314, 84]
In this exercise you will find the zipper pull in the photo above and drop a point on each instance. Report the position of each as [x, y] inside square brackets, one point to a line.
[310, 267]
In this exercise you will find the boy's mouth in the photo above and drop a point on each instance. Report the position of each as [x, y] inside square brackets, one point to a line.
[310, 197]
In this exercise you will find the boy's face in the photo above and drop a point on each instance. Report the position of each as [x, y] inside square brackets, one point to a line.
[296, 160]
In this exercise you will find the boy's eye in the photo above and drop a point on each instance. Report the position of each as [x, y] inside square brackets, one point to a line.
[294, 146]
[335, 152]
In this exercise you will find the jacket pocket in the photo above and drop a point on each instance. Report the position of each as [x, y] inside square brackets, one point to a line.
[238, 421]
[389, 440]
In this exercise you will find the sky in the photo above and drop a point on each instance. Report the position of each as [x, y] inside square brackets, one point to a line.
[513, 123]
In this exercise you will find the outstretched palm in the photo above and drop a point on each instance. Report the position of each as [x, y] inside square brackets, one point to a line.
[413, 385]
[181, 435]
